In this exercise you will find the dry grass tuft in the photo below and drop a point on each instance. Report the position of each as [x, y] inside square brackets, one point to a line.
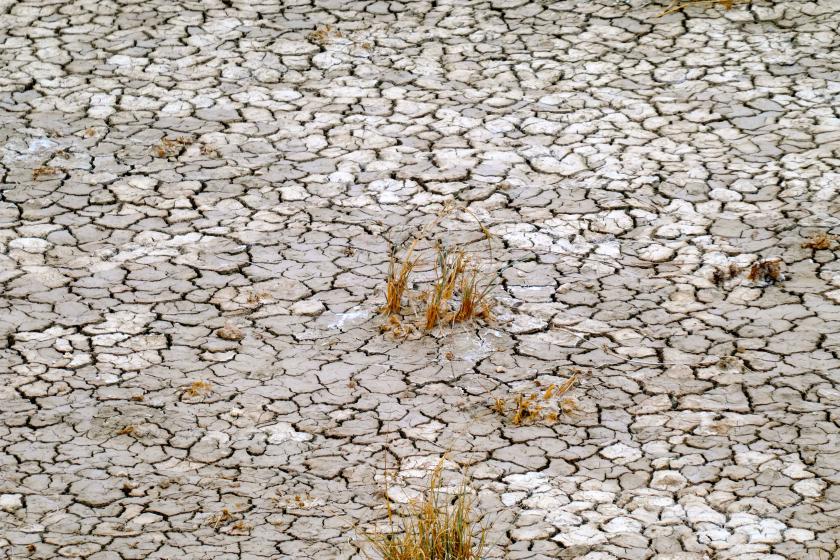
[679, 5]
[721, 275]
[768, 271]
[449, 266]
[459, 291]
[171, 147]
[457, 294]
[475, 300]
[43, 171]
[397, 328]
[546, 406]
[209, 151]
[397, 280]
[433, 528]
[198, 389]
[127, 431]
[527, 409]
[820, 242]
[221, 517]
[321, 36]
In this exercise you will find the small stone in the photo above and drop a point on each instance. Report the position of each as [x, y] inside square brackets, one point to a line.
[230, 332]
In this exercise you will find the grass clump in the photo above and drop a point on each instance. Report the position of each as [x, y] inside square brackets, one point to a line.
[819, 242]
[322, 35]
[475, 300]
[449, 265]
[171, 147]
[397, 280]
[433, 528]
[768, 271]
[456, 295]
[546, 405]
[44, 171]
[198, 389]
[721, 275]
[460, 292]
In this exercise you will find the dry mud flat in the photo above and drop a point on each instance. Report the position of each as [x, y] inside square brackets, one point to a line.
[174, 168]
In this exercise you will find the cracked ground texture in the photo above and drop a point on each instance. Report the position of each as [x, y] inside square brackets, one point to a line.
[170, 169]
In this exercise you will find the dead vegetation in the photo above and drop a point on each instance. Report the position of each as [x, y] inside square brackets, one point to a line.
[198, 389]
[171, 147]
[459, 292]
[322, 35]
[209, 151]
[820, 242]
[258, 298]
[767, 271]
[220, 518]
[397, 328]
[128, 430]
[449, 266]
[397, 280]
[720, 275]
[435, 527]
[475, 299]
[542, 404]
[240, 528]
[679, 5]
[44, 171]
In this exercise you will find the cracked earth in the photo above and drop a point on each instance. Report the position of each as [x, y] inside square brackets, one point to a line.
[198, 204]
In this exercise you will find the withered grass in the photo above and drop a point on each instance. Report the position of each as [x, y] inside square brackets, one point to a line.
[433, 527]
[397, 281]
[546, 406]
[459, 291]
[819, 242]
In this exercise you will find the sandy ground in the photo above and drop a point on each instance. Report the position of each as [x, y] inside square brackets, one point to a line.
[170, 168]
